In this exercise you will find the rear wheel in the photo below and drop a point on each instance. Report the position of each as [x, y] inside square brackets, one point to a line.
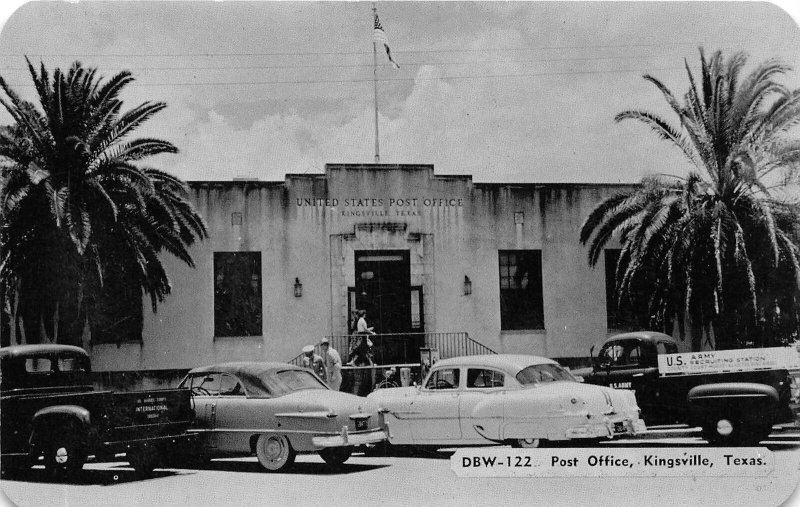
[143, 460]
[723, 430]
[336, 456]
[274, 452]
[528, 443]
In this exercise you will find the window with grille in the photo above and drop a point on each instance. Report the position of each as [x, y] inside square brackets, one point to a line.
[237, 294]
[521, 301]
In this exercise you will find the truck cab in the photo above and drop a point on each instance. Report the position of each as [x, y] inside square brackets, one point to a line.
[630, 361]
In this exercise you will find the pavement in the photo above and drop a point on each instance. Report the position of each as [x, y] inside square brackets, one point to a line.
[418, 477]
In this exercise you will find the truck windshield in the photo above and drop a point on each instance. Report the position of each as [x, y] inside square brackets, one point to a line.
[541, 373]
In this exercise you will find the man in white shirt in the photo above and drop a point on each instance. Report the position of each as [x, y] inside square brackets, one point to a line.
[333, 364]
[313, 362]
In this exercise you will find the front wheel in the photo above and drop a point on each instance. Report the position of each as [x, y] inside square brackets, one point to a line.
[64, 457]
[274, 452]
[336, 456]
[723, 430]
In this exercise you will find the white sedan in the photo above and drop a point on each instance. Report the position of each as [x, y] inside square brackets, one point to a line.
[521, 400]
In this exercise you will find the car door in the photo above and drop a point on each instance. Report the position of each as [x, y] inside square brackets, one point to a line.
[232, 412]
[480, 383]
[205, 394]
[434, 411]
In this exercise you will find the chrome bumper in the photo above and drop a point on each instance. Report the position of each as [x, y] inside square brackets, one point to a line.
[346, 438]
[608, 429]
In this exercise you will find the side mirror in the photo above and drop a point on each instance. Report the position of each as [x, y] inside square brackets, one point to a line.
[578, 378]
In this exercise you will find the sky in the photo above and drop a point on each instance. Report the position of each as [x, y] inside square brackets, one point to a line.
[503, 91]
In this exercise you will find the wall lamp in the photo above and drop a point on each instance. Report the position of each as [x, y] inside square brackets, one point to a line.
[298, 288]
[467, 286]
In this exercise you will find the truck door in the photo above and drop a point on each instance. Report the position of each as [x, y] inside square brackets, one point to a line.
[621, 364]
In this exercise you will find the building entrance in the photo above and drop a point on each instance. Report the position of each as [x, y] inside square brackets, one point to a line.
[383, 289]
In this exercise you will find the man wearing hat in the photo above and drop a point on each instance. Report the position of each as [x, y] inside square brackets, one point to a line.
[333, 364]
[313, 362]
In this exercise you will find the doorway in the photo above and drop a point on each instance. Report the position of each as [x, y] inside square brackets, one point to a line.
[383, 289]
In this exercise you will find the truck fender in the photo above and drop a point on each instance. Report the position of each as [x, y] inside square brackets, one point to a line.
[54, 418]
[708, 393]
[749, 400]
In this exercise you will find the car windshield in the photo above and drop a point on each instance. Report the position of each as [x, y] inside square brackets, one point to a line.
[283, 382]
[541, 373]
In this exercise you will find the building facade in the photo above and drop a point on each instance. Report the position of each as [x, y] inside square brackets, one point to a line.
[289, 262]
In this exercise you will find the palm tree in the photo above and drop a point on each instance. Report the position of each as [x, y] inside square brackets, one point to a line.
[709, 247]
[82, 217]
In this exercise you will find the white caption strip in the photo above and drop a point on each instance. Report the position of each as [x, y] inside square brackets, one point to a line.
[642, 462]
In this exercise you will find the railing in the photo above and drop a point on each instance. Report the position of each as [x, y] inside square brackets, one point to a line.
[399, 348]
[456, 344]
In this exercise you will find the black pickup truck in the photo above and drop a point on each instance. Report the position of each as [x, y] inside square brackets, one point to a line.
[736, 396]
[49, 410]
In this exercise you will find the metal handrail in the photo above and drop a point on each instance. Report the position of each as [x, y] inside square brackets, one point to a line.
[449, 344]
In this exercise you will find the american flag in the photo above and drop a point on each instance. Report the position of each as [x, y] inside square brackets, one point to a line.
[380, 36]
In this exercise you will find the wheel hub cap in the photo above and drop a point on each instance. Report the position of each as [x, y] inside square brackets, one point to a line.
[724, 427]
[61, 456]
[274, 449]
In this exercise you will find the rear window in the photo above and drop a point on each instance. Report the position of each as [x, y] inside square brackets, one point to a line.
[288, 381]
[70, 364]
[543, 373]
[38, 365]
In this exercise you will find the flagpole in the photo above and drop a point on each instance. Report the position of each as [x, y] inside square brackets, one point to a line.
[375, 84]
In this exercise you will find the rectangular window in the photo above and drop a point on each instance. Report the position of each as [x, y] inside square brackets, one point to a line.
[521, 301]
[38, 365]
[237, 294]
[444, 379]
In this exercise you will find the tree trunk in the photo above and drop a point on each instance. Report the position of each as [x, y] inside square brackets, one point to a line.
[5, 317]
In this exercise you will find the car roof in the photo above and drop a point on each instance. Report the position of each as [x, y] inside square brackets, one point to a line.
[651, 336]
[250, 373]
[40, 349]
[244, 368]
[515, 362]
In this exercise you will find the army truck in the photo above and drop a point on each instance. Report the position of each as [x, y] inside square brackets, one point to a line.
[735, 396]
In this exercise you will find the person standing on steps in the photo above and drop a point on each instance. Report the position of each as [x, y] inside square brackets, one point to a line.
[333, 364]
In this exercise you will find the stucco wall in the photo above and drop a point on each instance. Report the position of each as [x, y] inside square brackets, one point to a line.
[454, 229]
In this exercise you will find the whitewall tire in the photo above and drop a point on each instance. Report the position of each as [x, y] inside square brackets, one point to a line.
[528, 443]
[274, 452]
